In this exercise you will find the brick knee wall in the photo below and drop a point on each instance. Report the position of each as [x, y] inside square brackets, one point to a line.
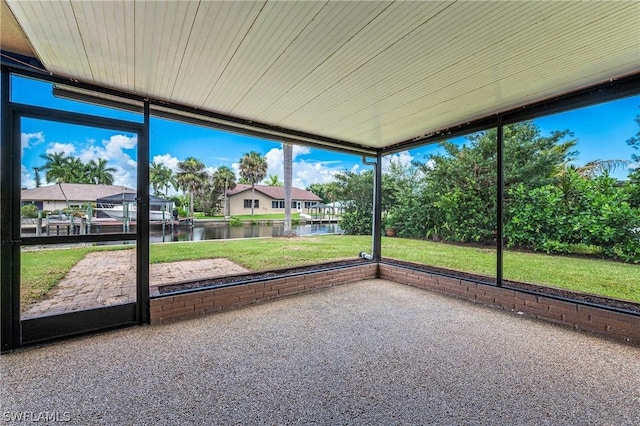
[200, 302]
[617, 325]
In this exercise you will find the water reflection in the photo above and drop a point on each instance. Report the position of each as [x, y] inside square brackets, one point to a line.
[215, 231]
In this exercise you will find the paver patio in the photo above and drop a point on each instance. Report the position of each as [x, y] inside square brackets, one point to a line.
[109, 278]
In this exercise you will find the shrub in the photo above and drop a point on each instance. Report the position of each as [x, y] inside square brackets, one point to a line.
[29, 211]
[356, 222]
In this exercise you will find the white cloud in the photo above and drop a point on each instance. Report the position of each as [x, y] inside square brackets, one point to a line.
[210, 170]
[403, 158]
[236, 170]
[304, 172]
[65, 148]
[167, 160]
[275, 164]
[29, 140]
[26, 180]
[113, 150]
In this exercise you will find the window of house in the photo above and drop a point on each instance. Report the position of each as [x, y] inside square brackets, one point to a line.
[277, 204]
[247, 203]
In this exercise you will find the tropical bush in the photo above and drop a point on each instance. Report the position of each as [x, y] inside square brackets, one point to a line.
[29, 211]
[593, 212]
[551, 205]
[356, 189]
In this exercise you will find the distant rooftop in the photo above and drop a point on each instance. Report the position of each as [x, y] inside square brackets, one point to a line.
[73, 191]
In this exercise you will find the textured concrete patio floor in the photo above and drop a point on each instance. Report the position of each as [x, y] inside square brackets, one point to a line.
[109, 278]
[372, 352]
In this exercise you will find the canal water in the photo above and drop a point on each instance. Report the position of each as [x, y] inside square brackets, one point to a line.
[216, 231]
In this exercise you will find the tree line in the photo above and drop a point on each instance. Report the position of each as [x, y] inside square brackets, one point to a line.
[203, 190]
[551, 205]
[63, 168]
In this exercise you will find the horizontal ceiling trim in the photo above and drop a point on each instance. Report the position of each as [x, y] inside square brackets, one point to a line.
[201, 118]
[208, 118]
[611, 90]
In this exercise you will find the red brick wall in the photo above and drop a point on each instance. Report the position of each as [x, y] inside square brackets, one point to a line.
[167, 308]
[620, 326]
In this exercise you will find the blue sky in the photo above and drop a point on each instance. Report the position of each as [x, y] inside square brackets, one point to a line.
[601, 131]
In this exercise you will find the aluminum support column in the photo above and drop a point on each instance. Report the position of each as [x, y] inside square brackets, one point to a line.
[499, 201]
[377, 209]
[142, 269]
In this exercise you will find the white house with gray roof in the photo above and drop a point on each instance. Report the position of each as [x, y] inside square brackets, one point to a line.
[63, 195]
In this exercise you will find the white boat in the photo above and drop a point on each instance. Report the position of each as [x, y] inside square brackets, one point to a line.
[118, 211]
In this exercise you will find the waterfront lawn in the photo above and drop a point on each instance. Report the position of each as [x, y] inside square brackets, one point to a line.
[586, 275]
[266, 253]
[41, 270]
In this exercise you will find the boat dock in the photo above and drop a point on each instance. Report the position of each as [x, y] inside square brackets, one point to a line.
[82, 226]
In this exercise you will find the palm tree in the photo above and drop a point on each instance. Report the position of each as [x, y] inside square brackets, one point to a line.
[590, 169]
[287, 153]
[191, 177]
[253, 168]
[57, 167]
[38, 179]
[274, 180]
[597, 167]
[161, 177]
[223, 180]
[99, 173]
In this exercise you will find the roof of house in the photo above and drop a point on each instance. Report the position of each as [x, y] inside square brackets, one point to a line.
[276, 192]
[73, 191]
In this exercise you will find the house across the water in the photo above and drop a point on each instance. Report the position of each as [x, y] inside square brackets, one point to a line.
[69, 195]
[268, 199]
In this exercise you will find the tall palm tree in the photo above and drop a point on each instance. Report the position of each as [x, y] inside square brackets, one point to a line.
[191, 177]
[37, 177]
[223, 180]
[253, 168]
[99, 173]
[56, 167]
[287, 153]
[161, 177]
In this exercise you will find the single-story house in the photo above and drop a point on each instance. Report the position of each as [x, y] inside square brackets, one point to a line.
[63, 195]
[268, 199]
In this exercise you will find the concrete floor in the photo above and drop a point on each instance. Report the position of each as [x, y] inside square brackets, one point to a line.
[372, 352]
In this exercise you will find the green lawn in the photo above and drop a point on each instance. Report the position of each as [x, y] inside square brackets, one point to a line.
[41, 270]
[266, 253]
[602, 277]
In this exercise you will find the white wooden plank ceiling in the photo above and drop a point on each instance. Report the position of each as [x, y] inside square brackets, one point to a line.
[371, 73]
